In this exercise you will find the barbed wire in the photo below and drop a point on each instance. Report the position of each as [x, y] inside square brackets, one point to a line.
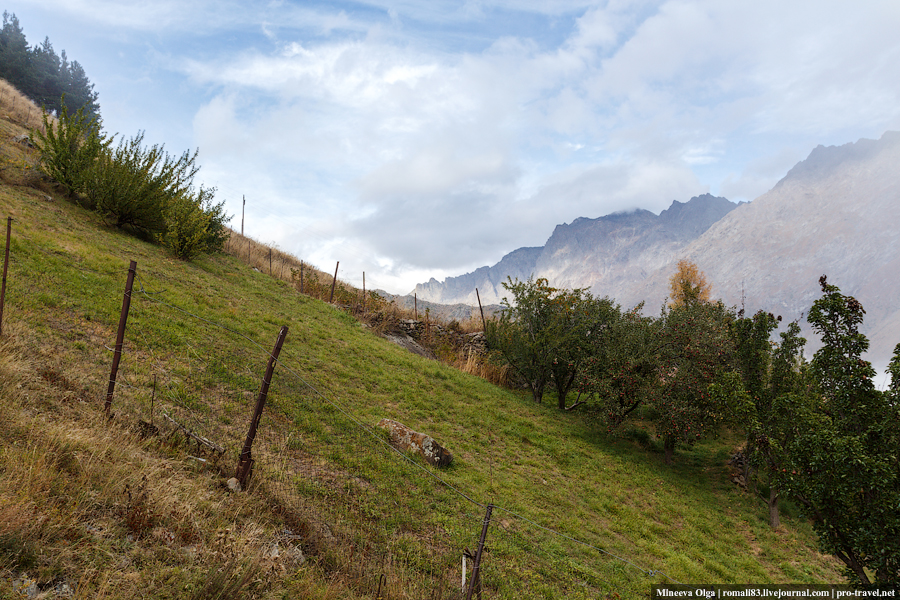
[283, 363]
[156, 297]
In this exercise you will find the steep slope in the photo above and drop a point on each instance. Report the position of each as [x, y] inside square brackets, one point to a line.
[835, 213]
[86, 502]
[607, 253]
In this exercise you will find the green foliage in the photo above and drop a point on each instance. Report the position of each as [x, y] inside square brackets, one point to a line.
[523, 335]
[193, 224]
[545, 334]
[143, 189]
[581, 324]
[843, 462]
[69, 149]
[775, 388]
[149, 191]
[623, 369]
[753, 350]
[696, 349]
[132, 185]
[894, 371]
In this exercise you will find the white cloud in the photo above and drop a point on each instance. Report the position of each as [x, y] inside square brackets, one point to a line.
[426, 137]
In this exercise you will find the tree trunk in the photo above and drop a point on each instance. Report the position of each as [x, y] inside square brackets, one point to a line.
[537, 390]
[774, 516]
[669, 445]
[562, 388]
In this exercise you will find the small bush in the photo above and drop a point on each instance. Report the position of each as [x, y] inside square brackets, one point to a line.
[194, 225]
[132, 185]
[69, 148]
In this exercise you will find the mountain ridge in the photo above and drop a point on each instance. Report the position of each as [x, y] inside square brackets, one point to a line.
[832, 214]
[588, 252]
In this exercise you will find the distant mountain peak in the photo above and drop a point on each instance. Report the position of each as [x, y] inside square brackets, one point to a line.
[579, 254]
[824, 159]
[835, 212]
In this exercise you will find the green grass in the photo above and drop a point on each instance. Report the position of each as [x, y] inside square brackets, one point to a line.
[202, 331]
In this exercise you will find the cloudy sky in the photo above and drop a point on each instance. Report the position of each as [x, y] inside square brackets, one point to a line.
[425, 138]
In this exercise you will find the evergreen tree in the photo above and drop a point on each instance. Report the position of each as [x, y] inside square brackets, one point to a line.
[43, 76]
[47, 82]
[80, 92]
[14, 55]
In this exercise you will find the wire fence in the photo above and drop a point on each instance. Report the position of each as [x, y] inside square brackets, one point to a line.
[299, 472]
[391, 526]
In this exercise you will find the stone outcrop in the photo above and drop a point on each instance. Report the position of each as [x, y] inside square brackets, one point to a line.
[404, 438]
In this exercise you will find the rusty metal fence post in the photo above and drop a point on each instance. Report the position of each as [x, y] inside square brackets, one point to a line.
[475, 581]
[5, 268]
[120, 336]
[245, 461]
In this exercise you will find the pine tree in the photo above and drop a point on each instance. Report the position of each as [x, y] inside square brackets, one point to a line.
[47, 82]
[43, 76]
[80, 92]
[14, 56]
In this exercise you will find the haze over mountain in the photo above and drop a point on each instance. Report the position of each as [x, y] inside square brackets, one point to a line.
[835, 213]
[611, 252]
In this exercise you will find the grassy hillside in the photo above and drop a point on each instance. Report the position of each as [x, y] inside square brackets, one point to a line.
[90, 507]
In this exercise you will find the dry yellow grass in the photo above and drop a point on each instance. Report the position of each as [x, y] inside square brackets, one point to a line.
[16, 108]
[18, 165]
[273, 261]
[80, 495]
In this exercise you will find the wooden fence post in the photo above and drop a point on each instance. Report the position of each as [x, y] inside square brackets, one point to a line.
[364, 293]
[483, 324]
[5, 268]
[120, 336]
[301, 276]
[334, 282]
[476, 574]
[245, 461]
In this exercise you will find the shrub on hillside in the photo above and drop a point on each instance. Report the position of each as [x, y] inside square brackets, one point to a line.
[69, 148]
[132, 185]
[193, 224]
[147, 190]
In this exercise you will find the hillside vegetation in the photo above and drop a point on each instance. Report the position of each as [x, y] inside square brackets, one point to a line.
[108, 508]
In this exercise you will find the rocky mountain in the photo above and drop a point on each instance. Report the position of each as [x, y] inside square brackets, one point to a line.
[518, 264]
[836, 213]
[607, 253]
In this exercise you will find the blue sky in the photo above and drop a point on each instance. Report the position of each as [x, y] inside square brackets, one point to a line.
[423, 139]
